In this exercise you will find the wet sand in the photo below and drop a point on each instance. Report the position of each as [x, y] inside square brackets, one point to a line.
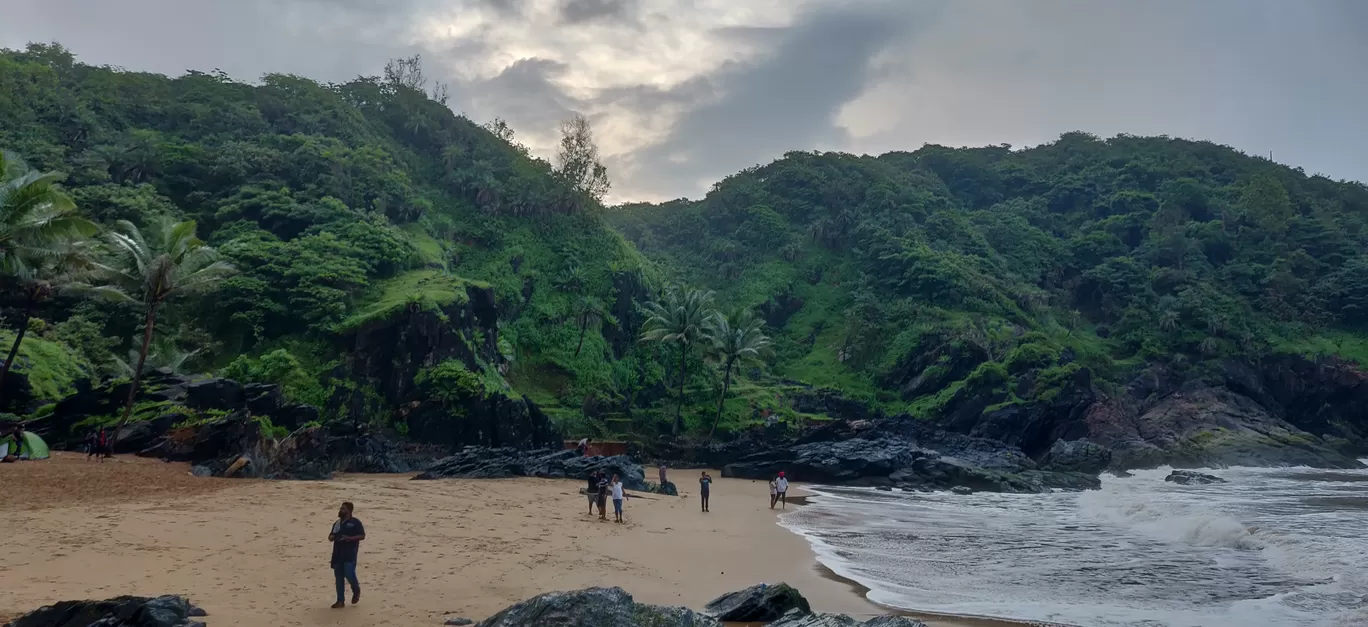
[256, 552]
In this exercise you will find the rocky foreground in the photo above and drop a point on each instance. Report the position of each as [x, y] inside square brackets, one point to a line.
[779, 606]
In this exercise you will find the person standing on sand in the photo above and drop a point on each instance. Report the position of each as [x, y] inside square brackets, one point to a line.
[662, 474]
[347, 534]
[617, 498]
[774, 491]
[603, 496]
[704, 488]
[593, 490]
[781, 484]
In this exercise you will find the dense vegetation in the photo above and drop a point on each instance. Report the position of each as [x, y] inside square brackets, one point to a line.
[336, 206]
[900, 280]
[905, 278]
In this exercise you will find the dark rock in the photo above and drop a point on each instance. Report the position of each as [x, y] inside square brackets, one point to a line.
[126, 611]
[263, 399]
[795, 618]
[201, 471]
[668, 488]
[459, 621]
[136, 436]
[1076, 456]
[491, 463]
[223, 394]
[1191, 477]
[594, 607]
[959, 489]
[760, 603]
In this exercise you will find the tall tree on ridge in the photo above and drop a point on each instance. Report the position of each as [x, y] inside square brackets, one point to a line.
[678, 318]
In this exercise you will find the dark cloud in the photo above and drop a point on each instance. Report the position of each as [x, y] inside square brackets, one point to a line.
[784, 101]
[578, 11]
[692, 90]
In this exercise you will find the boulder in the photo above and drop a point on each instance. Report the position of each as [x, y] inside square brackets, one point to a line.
[959, 489]
[1076, 456]
[214, 394]
[760, 603]
[137, 436]
[479, 462]
[594, 607]
[1191, 477]
[797, 618]
[125, 611]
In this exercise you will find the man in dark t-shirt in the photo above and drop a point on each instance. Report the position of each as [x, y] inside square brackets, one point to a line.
[705, 488]
[347, 534]
[593, 490]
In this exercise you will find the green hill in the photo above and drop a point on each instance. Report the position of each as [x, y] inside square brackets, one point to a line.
[905, 278]
[339, 205]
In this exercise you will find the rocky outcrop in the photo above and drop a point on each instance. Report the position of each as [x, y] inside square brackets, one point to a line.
[1208, 426]
[127, 611]
[795, 618]
[594, 607]
[235, 446]
[1189, 477]
[476, 462]
[898, 462]
[1076, 456]
[760, 603]
[178, 398]
[386, 356]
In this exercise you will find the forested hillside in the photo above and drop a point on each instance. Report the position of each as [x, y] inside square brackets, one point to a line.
[384, 259]
[338, 207]
[910, 279]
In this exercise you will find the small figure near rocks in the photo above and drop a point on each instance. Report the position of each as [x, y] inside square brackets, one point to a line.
[346, 536]
[704, 489]
[781, 484]
[603, 496]
[583, 447]
[774, 491]
[662, 475]
[592, 490]
[1191, 477]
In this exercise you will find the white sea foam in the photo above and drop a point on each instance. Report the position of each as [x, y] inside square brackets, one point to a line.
[1271, 548]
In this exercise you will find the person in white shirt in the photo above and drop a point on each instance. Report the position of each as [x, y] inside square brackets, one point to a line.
[781, 484]
[774, 491]
[617, 498]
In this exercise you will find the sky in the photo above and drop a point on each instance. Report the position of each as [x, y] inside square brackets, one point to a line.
[682, 93]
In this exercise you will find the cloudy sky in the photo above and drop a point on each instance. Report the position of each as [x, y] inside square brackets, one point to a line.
[684, 92]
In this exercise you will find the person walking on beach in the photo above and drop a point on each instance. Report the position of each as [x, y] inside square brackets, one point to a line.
[781, 484]
[662, 474]
[346, 536]
[774, 491]
[617, 498]
[603, 496]
[592, 490]
[91, 443]
[704, 488]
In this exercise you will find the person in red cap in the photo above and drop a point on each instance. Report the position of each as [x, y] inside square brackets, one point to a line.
[781, 484]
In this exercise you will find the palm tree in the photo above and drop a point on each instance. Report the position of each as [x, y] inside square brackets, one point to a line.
[39, 232]
[590, 311]
[151, 270]
[678, 318]
[734, 341]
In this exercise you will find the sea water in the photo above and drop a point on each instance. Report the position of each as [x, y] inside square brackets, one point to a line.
[1283, 547]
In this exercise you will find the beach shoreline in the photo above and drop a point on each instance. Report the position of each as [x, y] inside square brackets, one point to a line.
[255, 552]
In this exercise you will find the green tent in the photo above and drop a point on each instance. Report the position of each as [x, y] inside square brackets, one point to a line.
[34, 447]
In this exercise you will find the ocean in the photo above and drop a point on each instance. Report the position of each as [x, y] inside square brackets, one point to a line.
[1285, 547]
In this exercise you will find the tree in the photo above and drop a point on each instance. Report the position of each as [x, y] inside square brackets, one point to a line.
[678, 318]
[153, 267]
[590, 312]
[578, 161]
[40, 246]
[734, 341]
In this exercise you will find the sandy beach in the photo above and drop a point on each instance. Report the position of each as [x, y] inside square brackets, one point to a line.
[256, 552]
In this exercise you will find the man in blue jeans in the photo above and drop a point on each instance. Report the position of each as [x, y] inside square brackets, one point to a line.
[347, 534]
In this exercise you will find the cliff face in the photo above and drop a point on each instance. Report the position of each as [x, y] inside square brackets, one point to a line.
[385, 358]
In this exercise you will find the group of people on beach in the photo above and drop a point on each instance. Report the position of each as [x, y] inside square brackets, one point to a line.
[348, 532]
[599, 489]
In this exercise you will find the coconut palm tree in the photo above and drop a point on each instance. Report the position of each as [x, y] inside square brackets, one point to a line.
[150, 267]
[40, 239]
[589, 311]
[678, 318]
[734, 340]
